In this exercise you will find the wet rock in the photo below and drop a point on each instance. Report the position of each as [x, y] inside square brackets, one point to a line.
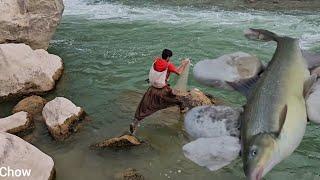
[312, 58]
[129, 174]
[24, 71]
[61, 117]
[29, 22]
[316, 71]
[118, 142]
[213, 153]
[212, 121]
[227, 68]
[195, 98]
[33, 105]
[313, 103]
[18, 154]
[18, 123]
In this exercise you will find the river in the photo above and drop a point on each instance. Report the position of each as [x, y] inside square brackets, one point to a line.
[107, 48]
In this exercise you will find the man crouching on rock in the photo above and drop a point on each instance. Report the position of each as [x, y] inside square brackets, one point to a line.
[159, 95]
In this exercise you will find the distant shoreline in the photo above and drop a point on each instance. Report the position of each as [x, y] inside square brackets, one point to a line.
[270, 5]
[311, 5]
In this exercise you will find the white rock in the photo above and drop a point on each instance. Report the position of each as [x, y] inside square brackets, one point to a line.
[213, 153]
[313, 103]
[16, 123]
[60, 115]
[23, 70]
[30, 22]
[227, 68]
[212, 121]
[18, 154]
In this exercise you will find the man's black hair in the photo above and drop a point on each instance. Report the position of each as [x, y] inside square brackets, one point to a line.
[166, 53]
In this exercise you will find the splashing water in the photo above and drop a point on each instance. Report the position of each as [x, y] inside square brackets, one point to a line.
[305, 26]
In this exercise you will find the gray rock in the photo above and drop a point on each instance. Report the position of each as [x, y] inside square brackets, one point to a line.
[24, 71]
[316, 71]
[212, 121]
[227, 68]
[32, 22]
[313, 103]
[18, 154]
[61, 116]
[213, 153]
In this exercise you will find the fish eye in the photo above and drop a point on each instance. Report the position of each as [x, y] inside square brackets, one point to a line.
[253, 152]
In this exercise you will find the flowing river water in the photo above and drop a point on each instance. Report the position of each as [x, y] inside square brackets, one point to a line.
[107, 48]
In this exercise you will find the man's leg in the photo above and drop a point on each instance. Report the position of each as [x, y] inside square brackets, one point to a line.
[133, 126]
[139, 115]
[153, 100]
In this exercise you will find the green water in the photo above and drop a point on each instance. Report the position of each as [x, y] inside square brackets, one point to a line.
[108, 47]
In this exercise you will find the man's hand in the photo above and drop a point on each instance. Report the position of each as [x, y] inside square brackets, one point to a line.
[183, 65]
[185, 61]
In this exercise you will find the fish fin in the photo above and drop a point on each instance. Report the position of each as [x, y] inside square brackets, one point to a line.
[308, 85]
[244, 86]
[312, 59]
[282, 118]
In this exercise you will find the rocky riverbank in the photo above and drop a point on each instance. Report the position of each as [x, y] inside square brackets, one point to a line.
[27, 68]
[271, 5]
[306, 5]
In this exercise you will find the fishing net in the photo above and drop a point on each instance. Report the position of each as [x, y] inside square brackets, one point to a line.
[182, 80]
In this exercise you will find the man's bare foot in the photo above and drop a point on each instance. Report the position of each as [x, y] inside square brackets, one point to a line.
[184, 110]
[132, 129]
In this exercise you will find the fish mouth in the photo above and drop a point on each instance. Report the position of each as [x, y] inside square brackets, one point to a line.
[257, 174]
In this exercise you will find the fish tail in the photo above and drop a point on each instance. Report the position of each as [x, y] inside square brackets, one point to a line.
[261, 35]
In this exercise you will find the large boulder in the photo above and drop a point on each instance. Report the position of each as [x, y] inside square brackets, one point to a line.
[313, 103]
[29, 21]
[213, 153]
[61, 117]
[33, 105]
[17, 123]
[24, 71]
[227, 68]
[212, 121]
[18, 155]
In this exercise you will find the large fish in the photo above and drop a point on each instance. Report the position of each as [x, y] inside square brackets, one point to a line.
[274, 119]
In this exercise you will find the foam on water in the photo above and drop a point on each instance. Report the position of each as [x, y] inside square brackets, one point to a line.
[300, 25]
